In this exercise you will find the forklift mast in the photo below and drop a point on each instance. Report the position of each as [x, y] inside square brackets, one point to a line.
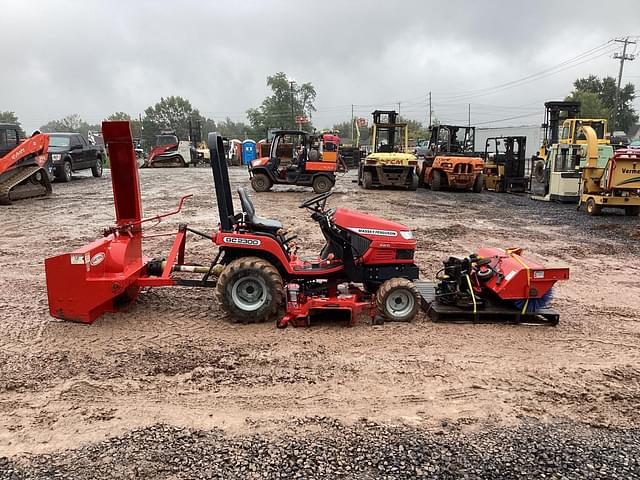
[452, 143]
[552, 116]
[387, 129]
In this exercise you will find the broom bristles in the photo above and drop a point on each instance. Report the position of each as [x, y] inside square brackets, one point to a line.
[535, 304]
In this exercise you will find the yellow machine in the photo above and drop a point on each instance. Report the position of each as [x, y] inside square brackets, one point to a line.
[390, 164]
[616, 185]
[573, 134]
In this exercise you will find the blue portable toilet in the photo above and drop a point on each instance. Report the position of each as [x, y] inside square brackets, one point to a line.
[248, 151]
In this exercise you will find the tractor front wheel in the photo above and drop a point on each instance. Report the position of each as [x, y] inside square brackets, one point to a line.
[593, 208]
[250, 290]
[261, 183]
[398, 300]
[322, 184]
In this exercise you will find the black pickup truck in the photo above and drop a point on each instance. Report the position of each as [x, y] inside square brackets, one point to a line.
[70, 152]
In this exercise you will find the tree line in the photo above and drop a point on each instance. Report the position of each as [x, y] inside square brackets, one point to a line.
[290, 101]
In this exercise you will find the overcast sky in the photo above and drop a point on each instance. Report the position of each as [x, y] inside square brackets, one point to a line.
[96, 57]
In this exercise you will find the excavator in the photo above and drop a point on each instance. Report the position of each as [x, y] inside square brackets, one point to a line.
[23, 165]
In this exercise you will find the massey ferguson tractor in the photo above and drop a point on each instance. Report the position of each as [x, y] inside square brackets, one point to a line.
[366, 265]
[23, 169]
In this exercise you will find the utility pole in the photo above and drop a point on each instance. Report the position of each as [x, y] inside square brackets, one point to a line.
[398, 108]
[430, 109]
[469, 121]
[622, 57]
[293, 118]
[352, 120]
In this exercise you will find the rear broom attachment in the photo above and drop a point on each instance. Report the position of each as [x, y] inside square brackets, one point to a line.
[493, 285]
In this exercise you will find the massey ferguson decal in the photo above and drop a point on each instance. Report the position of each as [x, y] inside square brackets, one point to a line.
[241, 241]
[374, 231]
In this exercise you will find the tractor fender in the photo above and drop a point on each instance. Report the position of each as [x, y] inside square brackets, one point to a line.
[279, 261]
[264, 170]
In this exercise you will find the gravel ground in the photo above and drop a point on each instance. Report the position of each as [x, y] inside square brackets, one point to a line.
[364, 450]
[173, 378]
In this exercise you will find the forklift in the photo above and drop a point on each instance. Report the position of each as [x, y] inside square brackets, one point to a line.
[450, 160]
[297, 158]
[555, 169]
[389, 164]
[504, 162]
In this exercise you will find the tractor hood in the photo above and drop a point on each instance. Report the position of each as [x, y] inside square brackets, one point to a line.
[371, 227]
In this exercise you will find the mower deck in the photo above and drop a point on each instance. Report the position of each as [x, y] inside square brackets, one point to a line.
[490, 313]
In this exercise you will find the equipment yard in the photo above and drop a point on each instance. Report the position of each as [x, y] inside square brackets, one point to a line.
[172, 382]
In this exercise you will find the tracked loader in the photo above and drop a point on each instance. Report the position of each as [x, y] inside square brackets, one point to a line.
[23, 165]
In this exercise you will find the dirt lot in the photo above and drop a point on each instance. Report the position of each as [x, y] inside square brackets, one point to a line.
[174, 359]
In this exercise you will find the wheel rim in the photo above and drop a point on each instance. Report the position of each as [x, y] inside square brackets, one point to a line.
[67, 170]
[260, 183]
[322, 185]
[99, 165]
[399, 303]
[249, 293]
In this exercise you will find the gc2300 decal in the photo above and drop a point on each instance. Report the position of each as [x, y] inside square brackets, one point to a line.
[241, 241]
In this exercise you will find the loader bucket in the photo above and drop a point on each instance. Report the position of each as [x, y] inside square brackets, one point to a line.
[102, 276]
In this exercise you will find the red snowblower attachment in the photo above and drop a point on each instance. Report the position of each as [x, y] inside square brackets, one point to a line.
[107, 275]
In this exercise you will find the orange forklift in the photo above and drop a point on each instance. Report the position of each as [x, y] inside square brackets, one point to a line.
[450, 160]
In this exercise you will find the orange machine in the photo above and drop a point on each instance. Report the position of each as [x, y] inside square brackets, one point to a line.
[298, 158]
[23, 172]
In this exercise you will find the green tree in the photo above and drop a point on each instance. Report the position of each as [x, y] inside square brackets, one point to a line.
[288, 100]
[344, 132]
[136, 124]
[8, 116]
[173, 113]
[72, 123]
[598, 100]
[241, 130]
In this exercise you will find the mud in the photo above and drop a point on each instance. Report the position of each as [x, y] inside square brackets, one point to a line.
[174, 359]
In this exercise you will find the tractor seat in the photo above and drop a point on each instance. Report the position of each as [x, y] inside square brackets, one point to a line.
[254, 221]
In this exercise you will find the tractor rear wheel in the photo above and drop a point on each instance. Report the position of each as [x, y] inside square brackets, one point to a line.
[632, 211]
[261, 183]
[478, 183]
[398, 300]
[367, 180]
[593, 208]
[322, 184]
[250, 290]
[436, 181]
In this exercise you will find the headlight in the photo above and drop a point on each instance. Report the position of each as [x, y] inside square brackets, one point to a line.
[407, 235]
[56, 156]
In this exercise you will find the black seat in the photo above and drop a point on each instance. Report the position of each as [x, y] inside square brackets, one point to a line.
[253, 220]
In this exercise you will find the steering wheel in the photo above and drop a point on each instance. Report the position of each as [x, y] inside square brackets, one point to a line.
[317, 203]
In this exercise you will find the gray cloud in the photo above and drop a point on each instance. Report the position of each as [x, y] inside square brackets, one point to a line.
[97, 57]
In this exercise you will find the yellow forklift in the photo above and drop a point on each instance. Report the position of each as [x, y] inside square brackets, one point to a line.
[504, 164]
[389, 164]
[616, 185]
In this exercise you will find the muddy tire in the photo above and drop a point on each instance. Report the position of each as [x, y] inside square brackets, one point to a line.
[398, 300]
[632, 211]
[66, 174]
[478, 183]
[437, 181]
[261, 183]
[367, 180]
[250, 290]
[593, 208]
[96, 170]
[322, 184]
[414, 183]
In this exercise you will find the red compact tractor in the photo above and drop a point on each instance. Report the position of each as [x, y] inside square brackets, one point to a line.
[366, 264]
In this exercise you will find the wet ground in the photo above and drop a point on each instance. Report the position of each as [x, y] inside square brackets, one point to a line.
[175, 364]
